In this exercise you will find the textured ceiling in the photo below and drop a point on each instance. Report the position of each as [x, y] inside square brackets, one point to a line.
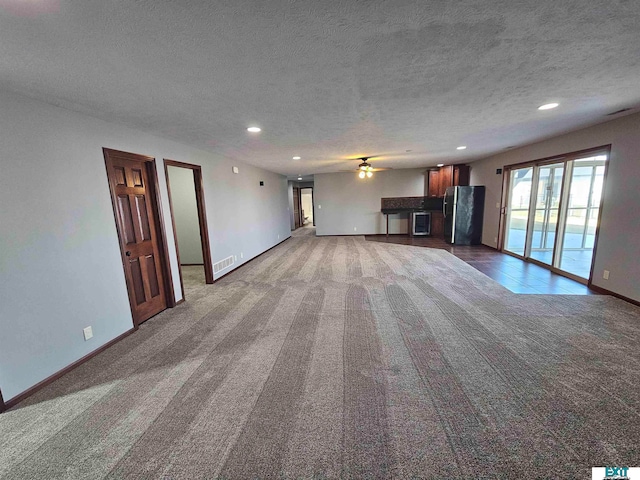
[329, 80]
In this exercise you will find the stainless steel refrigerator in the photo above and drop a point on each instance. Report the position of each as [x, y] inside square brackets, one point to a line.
[463, 209]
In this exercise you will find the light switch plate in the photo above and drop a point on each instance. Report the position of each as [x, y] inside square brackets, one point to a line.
[88, 333]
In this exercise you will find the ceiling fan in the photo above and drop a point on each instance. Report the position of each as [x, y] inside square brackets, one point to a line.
[365, 168]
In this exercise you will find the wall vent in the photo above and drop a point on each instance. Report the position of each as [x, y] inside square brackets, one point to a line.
[222, 264]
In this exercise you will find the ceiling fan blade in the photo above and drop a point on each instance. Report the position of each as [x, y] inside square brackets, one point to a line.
[374, 169]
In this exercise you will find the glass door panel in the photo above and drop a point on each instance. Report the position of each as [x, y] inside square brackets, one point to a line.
[549, 187]
[518, 210]
[583, 205]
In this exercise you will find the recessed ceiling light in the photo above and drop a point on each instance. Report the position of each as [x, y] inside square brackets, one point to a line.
[440, 165]
[548, 106]
[296, 158]
[461, 147]
[254, 129]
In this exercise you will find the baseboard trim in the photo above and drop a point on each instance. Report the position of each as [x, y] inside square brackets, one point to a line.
[604, 291]
[3, 407]
[38, 386]
[357, 234]
[249, 261]
[406, 234]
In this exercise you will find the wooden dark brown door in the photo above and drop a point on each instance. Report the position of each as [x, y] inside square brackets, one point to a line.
[133, 205]
[297, 208]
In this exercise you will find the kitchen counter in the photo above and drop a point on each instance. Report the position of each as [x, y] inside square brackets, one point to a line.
[396, 205]
[410, 204]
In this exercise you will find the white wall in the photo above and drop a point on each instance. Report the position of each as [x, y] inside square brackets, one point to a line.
[619, 240]
[60, 265]
[349, 205]
[185, 214]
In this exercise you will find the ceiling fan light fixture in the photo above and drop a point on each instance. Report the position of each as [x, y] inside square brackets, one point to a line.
[365, 169]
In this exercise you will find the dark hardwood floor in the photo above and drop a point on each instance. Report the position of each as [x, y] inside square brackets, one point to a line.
[511, 272]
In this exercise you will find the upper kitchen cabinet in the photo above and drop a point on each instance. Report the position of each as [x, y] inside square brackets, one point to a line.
[447, 176]
[434, 183]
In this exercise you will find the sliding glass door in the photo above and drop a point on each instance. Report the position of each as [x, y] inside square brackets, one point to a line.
[582, 210]
[552, 212]
[547, 207]
[520, 181]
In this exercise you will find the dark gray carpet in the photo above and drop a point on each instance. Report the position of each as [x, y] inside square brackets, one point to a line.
[339, 358]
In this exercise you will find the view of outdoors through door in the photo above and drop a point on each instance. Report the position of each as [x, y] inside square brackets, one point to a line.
[549, 185]
[518, 210]
[552, 212]
[582, 209]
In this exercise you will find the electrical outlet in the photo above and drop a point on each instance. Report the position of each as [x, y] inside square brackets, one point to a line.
[495, 239]
[278, 237]
[88, 333]
[320, 207]
[241, 255]
[355, 229]
[605, 274]
[235, 258]
[498, 205]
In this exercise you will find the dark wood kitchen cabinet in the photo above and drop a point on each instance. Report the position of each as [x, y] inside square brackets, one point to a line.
[437, 224]
[447, 176]
[460, 176]
[434, 183]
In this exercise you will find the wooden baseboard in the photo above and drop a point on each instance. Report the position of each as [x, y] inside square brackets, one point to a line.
[604, 291]
[249, 261]
[38, 386]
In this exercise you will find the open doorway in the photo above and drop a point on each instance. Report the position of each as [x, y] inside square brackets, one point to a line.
[306, 197]
[189, 220]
